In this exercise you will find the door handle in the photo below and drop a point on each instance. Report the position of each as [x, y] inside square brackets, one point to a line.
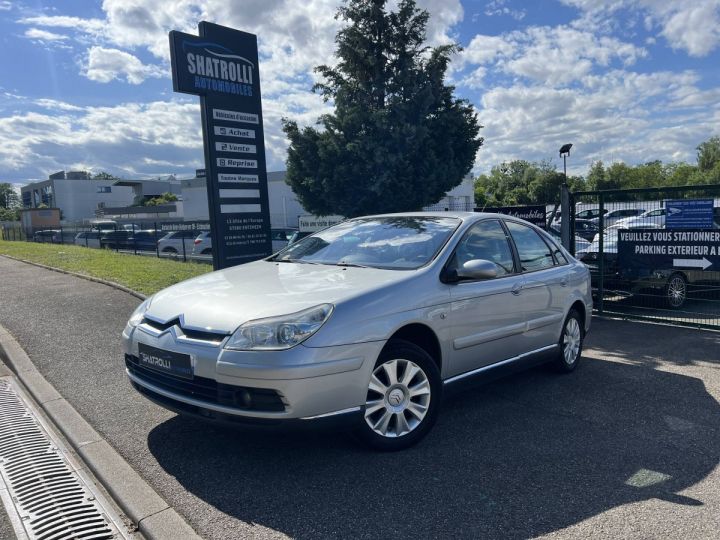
[517, 288]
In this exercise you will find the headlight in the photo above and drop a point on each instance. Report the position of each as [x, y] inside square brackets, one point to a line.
[138, 314]
[278, 333]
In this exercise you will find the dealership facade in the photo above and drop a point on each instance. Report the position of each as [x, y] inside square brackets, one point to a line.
[80, 197]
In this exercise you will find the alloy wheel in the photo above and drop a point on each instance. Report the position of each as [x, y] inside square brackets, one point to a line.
[398, 398]
[676, 291]
[572, 339]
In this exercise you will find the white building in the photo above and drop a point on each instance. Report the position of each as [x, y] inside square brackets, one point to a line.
[285, 208]
[76, 194]
[80, 197]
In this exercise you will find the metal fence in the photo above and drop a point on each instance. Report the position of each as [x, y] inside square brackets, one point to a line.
[654, 254]
[184, 241]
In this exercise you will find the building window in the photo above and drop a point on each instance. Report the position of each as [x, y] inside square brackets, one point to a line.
[104, 189]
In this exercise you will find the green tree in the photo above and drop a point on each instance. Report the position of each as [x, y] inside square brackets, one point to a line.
[708, 154]
[8, 196]
[9, 214]
[521, 182]
[102, 175]
[398, 138]
[165, 198]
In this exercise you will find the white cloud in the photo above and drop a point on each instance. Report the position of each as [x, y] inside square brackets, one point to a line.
[616, 115]
[690, 26]
[475, 79]
[43, 35]
[696, 28]
[105, 65]
[56, 105]
[499, 7]
[90, 26]
[117, 139]
[484, 49]
[554, 55]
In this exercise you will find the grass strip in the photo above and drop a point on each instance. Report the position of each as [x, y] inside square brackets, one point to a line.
[145, 274]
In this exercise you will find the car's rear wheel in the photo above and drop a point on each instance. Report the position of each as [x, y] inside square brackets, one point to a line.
[170, 250]
[403, 398]
[571, 342]
[676, 291]
[206, 252]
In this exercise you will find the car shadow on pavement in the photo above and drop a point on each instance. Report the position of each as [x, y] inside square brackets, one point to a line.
[530, 454]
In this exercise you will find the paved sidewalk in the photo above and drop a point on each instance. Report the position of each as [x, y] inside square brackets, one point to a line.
[628, 446]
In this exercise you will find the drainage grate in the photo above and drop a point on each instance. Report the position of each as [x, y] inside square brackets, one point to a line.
[42, 485]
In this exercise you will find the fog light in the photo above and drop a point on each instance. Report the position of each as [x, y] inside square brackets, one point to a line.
[245, 398]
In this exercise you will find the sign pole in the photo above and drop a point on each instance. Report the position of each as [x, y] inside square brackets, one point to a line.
[221, 66]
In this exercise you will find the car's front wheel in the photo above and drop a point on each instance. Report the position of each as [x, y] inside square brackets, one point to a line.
[403, 398]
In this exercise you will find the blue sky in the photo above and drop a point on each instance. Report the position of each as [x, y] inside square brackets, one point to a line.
[86, 85]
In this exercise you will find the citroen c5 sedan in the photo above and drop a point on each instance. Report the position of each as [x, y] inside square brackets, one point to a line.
[365, 324]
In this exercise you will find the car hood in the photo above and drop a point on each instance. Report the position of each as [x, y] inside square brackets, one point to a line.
[223, 300]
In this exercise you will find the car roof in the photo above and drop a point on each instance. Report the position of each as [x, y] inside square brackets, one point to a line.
[464, 216]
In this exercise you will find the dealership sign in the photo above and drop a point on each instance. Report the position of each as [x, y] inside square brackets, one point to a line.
[535, 214]
[654, 249]
[689, 214]
[221, 66]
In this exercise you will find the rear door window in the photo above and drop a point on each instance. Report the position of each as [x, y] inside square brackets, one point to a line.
[534, 253]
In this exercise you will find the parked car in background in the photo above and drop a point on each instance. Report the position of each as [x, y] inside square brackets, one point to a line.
[104, 225]
[114, 239]
[202, 245]
[656, 217]
[281, 238]
[584, 228]
[364, 323]
[132, 227]
[590, 213]
[88, 239]
[48, 235]
[172, 242]
[617, 215]
[297, 236]
[580, 243]
[145, 240]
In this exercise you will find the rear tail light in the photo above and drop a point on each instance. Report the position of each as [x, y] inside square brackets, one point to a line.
[197, 241]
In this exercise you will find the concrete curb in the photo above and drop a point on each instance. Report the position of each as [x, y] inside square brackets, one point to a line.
[82, 276]
[154, 518]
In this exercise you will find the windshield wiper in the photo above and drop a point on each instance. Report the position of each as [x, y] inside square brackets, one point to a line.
[352, 265]
[298, 261]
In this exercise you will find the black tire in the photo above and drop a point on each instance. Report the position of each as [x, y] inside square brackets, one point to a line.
[566, 363]
[206, 252]
[675, 291]
[170, 251]
[404, 354]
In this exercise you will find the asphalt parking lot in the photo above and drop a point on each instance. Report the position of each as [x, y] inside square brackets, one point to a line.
[627, 446]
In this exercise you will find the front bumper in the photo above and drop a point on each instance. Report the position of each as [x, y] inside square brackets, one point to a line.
[295, 386]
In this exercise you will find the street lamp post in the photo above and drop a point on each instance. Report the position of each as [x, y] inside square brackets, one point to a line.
[566, 225]
[564, 153]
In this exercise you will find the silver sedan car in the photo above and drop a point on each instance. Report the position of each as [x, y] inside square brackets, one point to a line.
[366, 324]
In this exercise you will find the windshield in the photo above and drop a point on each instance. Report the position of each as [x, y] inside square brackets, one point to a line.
[387, 242]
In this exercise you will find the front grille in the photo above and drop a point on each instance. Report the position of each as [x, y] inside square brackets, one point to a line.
[212, 337]
[208, 390]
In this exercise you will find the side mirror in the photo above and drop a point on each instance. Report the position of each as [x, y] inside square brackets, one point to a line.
[478, 269]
